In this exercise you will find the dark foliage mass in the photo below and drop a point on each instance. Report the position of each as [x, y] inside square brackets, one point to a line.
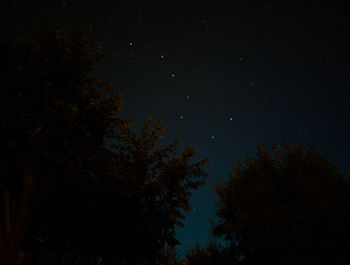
[75, 177]
[212, 253]
[288, 207]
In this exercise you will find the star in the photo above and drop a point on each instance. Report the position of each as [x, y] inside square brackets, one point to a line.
[212, 137]
[181, 116]
[230, 118]
[173, 75]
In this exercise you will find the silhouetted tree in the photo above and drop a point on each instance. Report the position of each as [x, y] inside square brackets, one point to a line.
[213, 253]
[64, 186]
[131, 210]
[170, 256]
[288, 207]
[54, 121]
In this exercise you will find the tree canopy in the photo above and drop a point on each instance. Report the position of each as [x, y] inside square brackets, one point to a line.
[287, 206]
[75, 176]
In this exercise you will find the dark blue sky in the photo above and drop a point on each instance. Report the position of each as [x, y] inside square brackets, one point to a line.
[224, 77]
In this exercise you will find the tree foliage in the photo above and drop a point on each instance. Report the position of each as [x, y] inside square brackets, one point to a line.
[290, 206]
[54, 115]
[133, 207]
[75, 177]
[54, 120]
[213, 253]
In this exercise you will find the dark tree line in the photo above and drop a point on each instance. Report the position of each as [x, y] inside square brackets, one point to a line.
[287, 206]
[75, 177]
[77, 182]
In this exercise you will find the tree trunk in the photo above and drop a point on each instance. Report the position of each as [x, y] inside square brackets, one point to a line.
[7, 213]
[16, 225]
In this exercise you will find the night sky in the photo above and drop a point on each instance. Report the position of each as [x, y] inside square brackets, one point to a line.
[224, 77]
